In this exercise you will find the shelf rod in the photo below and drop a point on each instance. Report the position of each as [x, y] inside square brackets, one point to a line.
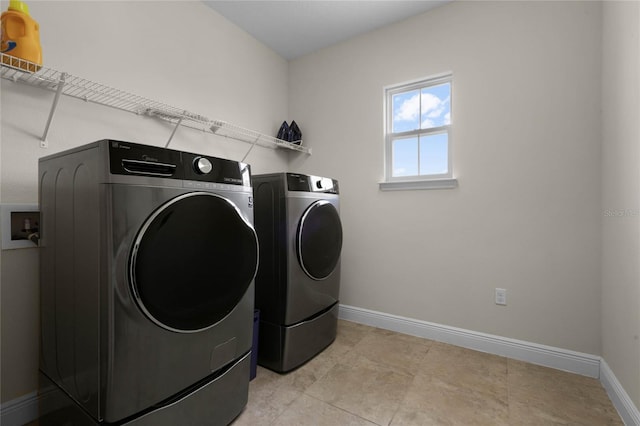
[250, 148]
[54, 105]
[174, 132]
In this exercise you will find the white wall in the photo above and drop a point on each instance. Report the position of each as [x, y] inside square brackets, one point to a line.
[621, 193]
[526, 150]
[180, 53]
[526, 144]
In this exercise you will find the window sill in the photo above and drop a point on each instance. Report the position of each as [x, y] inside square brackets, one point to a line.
[419, 184]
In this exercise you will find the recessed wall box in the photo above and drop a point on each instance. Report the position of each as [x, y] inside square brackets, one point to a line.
[20, 225]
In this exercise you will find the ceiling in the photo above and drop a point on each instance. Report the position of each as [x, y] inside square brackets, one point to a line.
[297, 28]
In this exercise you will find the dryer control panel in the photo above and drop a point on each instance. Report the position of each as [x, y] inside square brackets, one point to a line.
[309, 183]
[126, 158]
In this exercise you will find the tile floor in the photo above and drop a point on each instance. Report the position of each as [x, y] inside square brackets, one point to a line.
[370, 376]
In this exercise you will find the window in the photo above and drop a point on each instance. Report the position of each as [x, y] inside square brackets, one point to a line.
[417, 135]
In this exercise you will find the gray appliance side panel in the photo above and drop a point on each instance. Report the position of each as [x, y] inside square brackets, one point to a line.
[141, 352]
[271, 227]
[70, 274]
[306, 296]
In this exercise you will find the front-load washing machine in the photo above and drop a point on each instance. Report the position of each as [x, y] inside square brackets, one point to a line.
[148, 258]
[298, 282]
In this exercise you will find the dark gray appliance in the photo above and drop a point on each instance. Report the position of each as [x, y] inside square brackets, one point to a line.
[298, 282]
[148, 258]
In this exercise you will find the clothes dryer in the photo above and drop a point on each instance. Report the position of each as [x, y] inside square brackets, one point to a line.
[148, 257]
[298, 282]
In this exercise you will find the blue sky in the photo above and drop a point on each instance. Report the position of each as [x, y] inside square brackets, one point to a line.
[421, 109]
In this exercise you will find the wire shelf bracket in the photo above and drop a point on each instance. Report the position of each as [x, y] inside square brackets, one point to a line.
[21, 71]
[174, 132]
[43, 141]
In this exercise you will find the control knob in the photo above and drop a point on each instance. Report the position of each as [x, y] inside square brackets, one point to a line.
[202, 165]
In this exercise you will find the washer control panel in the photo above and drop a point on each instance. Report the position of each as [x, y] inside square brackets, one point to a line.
[126, 158]
[310, 183]
[203, 168]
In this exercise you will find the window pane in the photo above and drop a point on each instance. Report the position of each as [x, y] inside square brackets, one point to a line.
[434, 154]
[436, 106]
[406, 111]
[405, 157]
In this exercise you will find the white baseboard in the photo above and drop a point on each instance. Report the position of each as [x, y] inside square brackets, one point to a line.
[23, 410]
[560, 359]
[19, 411]
[626, 408]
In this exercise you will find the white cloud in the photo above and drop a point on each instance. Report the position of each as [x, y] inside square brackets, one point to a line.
[432, 109]
[426, 123]
[432, 105]
[435, 113]
[409, 109]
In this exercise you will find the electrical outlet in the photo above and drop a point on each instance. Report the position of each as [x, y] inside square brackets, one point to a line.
[501, 296]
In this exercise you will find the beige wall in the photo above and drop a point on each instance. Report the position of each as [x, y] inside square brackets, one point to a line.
[183, 54]
[621, 193]
[20, 322]
[534, 182]
[526, 150]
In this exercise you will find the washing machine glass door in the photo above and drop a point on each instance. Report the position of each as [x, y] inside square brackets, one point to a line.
[192, 261]
[319, 239]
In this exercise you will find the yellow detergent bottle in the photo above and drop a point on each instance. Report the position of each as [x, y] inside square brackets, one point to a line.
[20, 37]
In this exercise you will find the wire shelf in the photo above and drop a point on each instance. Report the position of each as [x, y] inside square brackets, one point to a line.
[21, 71]
[223, 128]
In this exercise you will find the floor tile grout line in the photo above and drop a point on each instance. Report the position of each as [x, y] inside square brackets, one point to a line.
[287, 407]
[381, 365]
[353, 346]
[344, 410]
[406, 393]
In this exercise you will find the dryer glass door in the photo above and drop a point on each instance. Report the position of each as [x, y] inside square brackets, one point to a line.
[192, 261]
[319, 240]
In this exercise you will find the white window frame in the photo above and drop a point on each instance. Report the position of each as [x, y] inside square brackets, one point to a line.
[431, 181]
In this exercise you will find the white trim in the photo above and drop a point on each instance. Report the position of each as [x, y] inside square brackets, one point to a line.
[389, 136]
[20, 410]
[25, 408]
[437, 78]
[418, 184]
[621, 400]
[548, 356]
[560, 359]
